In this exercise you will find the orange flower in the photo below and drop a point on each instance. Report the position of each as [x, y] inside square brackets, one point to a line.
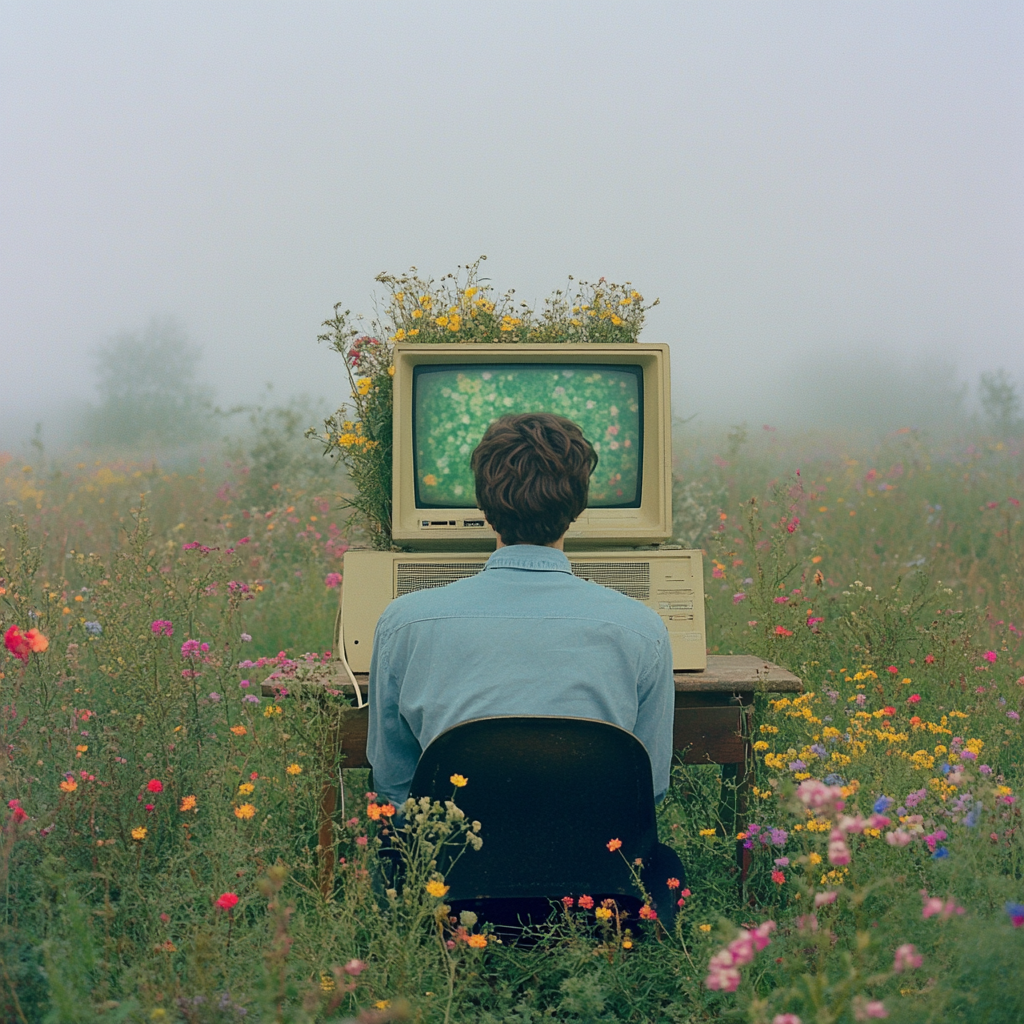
[373, 812]
[387, 810]
[476, 941]
[673, 883]
[188, 803]
[245, 811]
[648, 913]
[68, 786]
[239, 730]
[614, 844]
[37, 643]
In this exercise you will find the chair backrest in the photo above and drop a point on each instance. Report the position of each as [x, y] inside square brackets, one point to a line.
[550, 793]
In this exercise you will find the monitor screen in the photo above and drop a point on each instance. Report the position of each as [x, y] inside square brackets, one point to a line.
[454, 404]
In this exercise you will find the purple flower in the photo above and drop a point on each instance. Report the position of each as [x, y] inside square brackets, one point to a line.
[782, 862]
[913, 799]
[882, 804]
[1013, 715]
[779, 836]
[984, 769]
[246, 638]
[969, 755]
[818, 749]
[251, 698]
[973, 815]
[861, 700]
[797, 765]
[215, 697]
[244, 683]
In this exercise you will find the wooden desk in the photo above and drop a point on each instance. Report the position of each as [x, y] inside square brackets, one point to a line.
[713, 725]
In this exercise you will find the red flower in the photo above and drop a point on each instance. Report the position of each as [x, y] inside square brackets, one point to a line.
[888, 711]
[613, 844]
[155, 786]
[913, 698]
[226, 901]
[673, 883]
[586, 902]
[929, 659]
[150, 807]
[892, 670]
[648, 913]
[782, 631]
[17, 643]
[685, 892]
[567, 902]
[778, 878]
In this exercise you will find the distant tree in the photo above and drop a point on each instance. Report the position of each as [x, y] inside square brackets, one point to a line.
[149, 389]
[1001, 402]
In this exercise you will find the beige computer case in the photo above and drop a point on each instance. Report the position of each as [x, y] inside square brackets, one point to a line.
[671, 582]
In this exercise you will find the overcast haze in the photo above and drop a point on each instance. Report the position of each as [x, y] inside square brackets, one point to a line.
[804, 185]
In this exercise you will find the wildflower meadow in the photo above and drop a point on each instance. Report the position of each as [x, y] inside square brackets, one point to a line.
[169, 707]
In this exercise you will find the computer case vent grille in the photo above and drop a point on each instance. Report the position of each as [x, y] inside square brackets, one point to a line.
[630, 578]
[410, 576]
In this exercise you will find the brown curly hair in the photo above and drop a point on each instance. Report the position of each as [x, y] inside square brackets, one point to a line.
[532, 475]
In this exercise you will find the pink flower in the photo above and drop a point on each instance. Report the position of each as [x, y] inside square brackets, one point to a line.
[360, 840]
[568, 902]
[838, 851]
[816, 795]
[332, 580]
[823, 899]
[898, 838]
[869, 1010]
[991, 657]
[848, 824]
[929, 659]
[225, 901]
[914, 698]
[907, 958]
[786, 1018]
[162, 627]
[779, 877]
[892, 670]
[718, 573]
[736, 598]
[354, 968]
[933, 906]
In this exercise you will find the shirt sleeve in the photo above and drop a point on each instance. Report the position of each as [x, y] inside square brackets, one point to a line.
[391, 747]
[656, 713]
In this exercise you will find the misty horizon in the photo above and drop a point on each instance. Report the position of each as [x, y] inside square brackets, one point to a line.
[826, 199]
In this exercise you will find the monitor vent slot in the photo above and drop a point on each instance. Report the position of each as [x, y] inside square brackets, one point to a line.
[411, 576]
[630, 578]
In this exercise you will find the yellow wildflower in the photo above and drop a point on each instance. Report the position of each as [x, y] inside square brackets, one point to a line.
[271, 709]
[245, 788]
[707, 833]
[294, 769]
[426, 302]
[814, 858]
[391, 371]
[704, 927]
[138, 834]
[602, 913]
[458, 781]
[417, 313]
[760, 745]
[441, 321]
[454, 322]
[363, 385]
[327, 983]
[436, 888]
[245, 811]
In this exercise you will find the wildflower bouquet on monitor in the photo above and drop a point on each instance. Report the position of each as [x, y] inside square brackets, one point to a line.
[461, 307]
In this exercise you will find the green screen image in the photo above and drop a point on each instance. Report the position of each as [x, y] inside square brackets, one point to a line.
[454, 405]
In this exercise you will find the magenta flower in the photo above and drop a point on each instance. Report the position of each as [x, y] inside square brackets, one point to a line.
[786, 1018]
[162, 627]
[332, 580]
[991, 657]
[871, 1009]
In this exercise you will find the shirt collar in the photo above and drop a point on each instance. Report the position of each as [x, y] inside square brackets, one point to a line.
[529, 556]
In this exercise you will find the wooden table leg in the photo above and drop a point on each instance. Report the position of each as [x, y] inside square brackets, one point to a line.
[325, 837]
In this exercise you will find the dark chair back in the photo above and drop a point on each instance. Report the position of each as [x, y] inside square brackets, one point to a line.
[550, 793]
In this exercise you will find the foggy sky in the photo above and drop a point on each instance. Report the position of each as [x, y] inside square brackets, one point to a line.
[804, 185]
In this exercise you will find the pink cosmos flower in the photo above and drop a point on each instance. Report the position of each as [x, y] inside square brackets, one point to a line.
[354, 968]
[332, 580]
[823, 899]
[838, 851]
[869, 1010]
[934, 906]
[991, 657]
[907, 958]
[162, 627]
[786, 1018]
[898, 838]
[814, 794]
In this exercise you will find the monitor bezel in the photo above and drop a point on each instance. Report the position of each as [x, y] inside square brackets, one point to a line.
[649, 524]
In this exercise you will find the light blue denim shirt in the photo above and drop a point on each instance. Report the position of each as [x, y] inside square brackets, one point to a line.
[523, 637]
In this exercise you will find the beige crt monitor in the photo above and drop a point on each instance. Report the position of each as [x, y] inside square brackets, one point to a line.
[446, 395]
[671, 582]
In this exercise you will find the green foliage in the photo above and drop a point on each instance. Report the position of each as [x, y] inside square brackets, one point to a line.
[1001, 403]
[129, 930]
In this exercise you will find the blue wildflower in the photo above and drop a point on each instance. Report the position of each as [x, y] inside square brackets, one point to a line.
[93, 628]
[832, 779]
[883, 803]
[940, 854]
[1016, 912]
[974, 815]
[944, 767]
